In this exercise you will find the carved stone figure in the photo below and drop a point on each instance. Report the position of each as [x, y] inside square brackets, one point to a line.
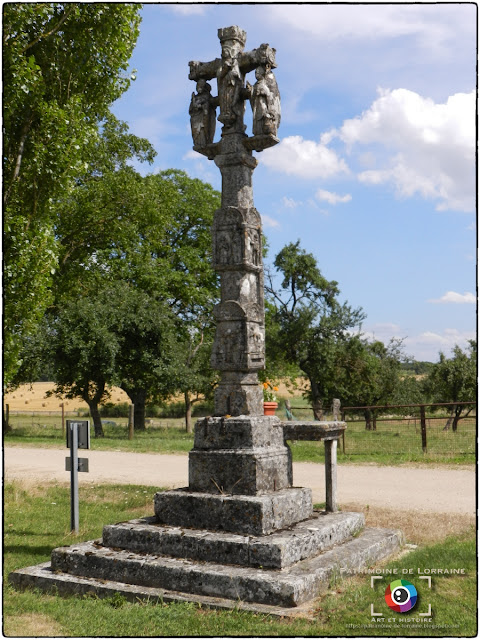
[265, 101]
[230, 85]
[252, 249]
[202, 115]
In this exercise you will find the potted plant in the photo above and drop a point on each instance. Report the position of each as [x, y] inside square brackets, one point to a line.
[270, 403]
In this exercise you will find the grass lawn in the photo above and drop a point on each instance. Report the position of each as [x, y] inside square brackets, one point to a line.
[36, 519]
[392, 443]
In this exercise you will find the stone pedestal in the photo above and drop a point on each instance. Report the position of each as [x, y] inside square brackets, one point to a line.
[240, 480]
[239, 456]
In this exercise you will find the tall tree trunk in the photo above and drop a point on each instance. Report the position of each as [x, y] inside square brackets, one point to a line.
[374, 421]
[458, 412]
[368, 419]
[317, 405]
[188, 412]
[5, 419]
[138, 398]
[451, 420]
[93, 402]
[97, 421]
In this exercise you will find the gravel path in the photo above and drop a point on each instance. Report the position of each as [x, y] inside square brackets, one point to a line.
[432, 489]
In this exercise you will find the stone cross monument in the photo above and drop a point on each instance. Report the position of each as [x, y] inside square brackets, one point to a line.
[240, 535]
[239, 348]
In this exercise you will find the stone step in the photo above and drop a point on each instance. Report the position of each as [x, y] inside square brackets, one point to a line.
[41, 576]
[287, 587]
[275, 551]
[257, 515]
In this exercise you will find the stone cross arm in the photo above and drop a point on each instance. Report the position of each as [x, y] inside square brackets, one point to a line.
[247, 61]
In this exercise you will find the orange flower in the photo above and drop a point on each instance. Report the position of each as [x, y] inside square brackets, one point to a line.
[275, 388]
[265, 385]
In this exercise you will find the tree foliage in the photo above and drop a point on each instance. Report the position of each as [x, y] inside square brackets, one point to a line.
[63, 66]
[311, 328]
[147, 241]
[454, 380]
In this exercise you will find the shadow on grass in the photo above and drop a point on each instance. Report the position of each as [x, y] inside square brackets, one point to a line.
[28, 550]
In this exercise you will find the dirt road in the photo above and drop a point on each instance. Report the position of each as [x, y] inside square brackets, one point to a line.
[431, 489]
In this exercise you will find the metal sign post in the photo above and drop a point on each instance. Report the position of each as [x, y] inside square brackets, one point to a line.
[78, 436]
[74, 514]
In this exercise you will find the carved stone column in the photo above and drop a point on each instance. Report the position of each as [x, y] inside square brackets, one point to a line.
[239, 347]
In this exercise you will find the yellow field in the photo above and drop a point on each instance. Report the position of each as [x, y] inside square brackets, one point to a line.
[32, 398]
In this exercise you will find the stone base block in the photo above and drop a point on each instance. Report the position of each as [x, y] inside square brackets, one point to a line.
[275, 551]
[241, 432]
[289, 587]
[243, 455]
[239, 472]
[255, 515]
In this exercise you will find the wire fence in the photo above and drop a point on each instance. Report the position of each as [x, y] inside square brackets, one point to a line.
[438, 430]
[446, 430]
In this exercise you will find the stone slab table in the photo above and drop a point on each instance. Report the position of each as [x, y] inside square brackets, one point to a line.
[329, 432]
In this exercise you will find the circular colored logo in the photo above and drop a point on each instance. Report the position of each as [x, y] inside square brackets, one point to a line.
[401, 596]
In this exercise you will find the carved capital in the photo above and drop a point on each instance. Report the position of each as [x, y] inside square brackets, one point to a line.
[232, 33]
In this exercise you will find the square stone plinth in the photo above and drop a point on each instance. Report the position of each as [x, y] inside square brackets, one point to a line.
[244, 455]
[256, 515]
[239, 472]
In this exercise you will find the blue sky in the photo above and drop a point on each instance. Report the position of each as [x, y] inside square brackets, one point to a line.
[375, 171]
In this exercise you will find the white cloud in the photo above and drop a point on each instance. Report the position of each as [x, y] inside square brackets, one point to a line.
[424, 346]
[433, 145]
[356, 22]
[304, 158]
[433, 29]
[189, 9]
[383, 331]
[269, 223]
[452, 297]
[290, 203]
[427, 345]
[332, 198]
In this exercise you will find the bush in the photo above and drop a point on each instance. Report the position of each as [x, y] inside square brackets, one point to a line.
[177, 410]
[111, 410]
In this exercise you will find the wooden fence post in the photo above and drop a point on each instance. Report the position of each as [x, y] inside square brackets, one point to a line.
[130, 422]
[63, 419]
[423, 428]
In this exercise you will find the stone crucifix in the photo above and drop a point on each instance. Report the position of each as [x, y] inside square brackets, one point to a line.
[239, 347]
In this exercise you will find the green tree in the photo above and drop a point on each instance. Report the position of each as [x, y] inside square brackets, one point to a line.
[82, 345]
[152, 235]
[64, 64]
[454, 380]
[374, 376]
[311, 327]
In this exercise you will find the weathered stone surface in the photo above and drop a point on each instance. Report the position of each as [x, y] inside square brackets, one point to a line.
[57, 583]
[239, 472]
[239, 344]
[276, 551]
[238, 399]
[243, 455]
[313, 430]
[288, 587]
[256, 515]
[242, 432]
